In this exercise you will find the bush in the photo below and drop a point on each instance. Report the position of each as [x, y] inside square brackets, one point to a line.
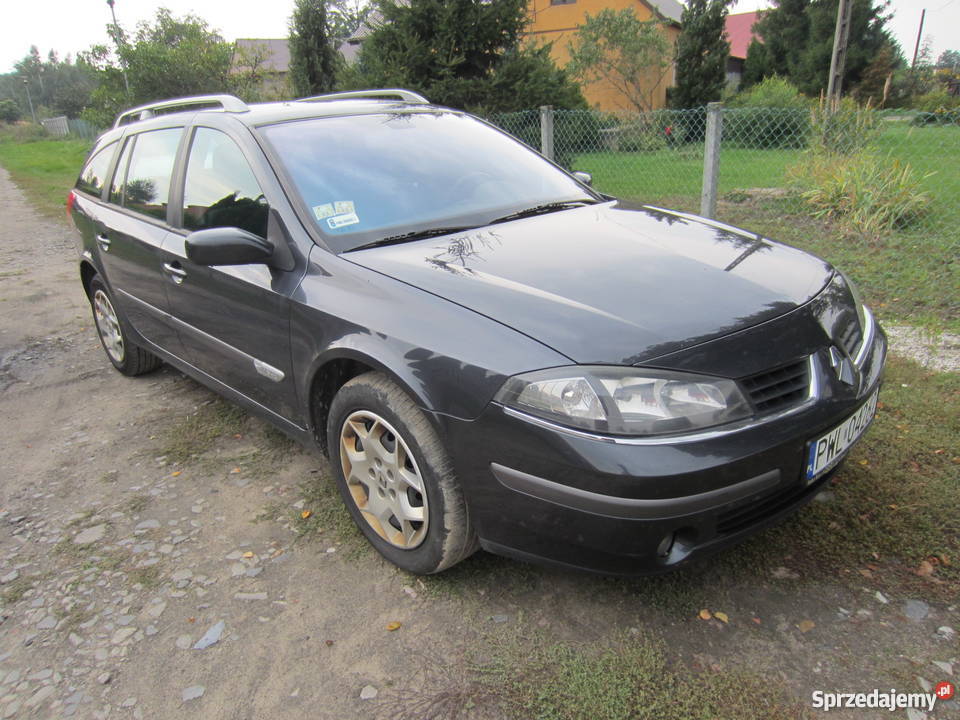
[940, 116]
[22, 132]
[933, 101]
[848, 129]
[771, 114]
[869, 193]
[9, 111]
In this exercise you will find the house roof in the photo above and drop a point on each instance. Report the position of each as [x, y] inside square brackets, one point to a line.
[670, 9]
[276, 50]
[739, 29]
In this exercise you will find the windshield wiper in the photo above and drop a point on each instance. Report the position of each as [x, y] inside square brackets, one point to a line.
[543, 209]
[414, 235]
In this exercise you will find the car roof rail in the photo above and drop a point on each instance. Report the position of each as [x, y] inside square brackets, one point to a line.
[405, 95]
[228, 103]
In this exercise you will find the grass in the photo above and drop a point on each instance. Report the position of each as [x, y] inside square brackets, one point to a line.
[45, 170]
[532, 678]
[190, 438]
[13, 592]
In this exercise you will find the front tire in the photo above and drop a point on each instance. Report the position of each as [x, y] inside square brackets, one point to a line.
[126, 356]
[395, 477]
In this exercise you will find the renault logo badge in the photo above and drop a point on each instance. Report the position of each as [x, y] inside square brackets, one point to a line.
[842, 366]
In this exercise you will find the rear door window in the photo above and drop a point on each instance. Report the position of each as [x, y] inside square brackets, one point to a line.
[147, 185]
[120, 174]
[94, 174]
[220, 189]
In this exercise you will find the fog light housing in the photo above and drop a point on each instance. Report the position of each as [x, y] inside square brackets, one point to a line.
[666, 545]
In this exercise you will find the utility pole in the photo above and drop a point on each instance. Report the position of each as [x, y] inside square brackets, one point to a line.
[26, 84]
[841, 37]
[916, 48]
[118, 40]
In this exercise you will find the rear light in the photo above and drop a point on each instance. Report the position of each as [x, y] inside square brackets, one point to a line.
[71, 199]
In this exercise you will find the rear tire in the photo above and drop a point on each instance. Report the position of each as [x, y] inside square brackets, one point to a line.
[395, 477]
[125, 355]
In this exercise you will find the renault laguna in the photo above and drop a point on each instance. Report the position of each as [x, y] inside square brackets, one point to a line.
[491, 353]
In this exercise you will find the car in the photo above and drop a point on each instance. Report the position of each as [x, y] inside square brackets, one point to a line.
[491, 353]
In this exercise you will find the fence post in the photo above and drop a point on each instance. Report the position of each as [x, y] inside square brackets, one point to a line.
[546, 131]
[711, 160]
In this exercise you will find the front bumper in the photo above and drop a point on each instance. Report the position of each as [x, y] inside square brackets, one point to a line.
[540, 493]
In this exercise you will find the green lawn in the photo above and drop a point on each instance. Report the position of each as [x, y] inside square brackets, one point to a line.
[44, 169]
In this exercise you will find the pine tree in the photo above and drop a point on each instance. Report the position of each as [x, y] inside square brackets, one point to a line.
[313, 58]
[798, 37]
[702, 51]
[463, 53]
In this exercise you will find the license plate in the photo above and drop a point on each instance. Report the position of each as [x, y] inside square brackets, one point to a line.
[827, 451]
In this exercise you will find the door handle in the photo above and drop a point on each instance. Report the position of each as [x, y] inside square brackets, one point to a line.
[177, 273]
[104, 242]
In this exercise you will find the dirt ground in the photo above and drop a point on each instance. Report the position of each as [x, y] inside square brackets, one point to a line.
[138, 514]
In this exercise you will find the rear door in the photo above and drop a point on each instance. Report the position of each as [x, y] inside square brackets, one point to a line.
[134, 227]
[234, 320]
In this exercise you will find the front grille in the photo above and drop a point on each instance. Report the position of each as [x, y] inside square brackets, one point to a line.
[778, 389]
[850, 337]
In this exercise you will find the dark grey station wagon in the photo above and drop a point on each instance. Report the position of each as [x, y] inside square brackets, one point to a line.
[491, 353]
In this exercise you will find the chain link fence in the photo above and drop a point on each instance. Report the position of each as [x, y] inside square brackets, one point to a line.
[854, 173]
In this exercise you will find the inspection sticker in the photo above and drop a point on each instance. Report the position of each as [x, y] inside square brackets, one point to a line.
[338, 221]
[343, 207]
[322, 212]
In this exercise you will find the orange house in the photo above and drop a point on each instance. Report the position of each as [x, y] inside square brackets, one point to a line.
[557, 22]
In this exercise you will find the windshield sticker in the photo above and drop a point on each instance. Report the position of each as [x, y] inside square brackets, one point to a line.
[338, 221]
[322, 212]
[344, 207]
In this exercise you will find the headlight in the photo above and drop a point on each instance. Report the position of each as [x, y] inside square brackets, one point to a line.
[858, 303]
[625, 400]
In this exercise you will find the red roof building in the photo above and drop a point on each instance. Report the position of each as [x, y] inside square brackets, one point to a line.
[739, 31]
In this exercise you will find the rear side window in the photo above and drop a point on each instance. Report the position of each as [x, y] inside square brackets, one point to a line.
[220, 189]
[94, 173]
[147, 185]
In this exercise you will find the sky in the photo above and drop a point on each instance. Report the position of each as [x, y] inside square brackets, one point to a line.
[71, 25]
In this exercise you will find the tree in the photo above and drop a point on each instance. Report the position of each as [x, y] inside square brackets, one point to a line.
[313, 58]
[462, 53]
[59, 87]
[949, 60]
[9, 111]
[798, 35]
[345, 17]
[877, 78]
[631, 55]
[702, 51]
[166, 58]
[757, 65]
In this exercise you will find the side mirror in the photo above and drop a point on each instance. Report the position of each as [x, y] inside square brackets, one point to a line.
[584, 177]
[227, 246]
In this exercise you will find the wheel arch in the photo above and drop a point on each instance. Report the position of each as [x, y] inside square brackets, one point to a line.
[332, 370]
[87, 273]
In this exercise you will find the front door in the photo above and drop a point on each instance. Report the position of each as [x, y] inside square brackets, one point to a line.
[234, 320]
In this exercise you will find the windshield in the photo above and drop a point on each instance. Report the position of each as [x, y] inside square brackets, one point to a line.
[368, 177]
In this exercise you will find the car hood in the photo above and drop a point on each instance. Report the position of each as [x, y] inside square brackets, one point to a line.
[602, 284]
